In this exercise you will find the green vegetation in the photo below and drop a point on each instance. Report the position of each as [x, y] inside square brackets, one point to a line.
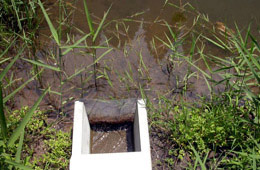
[8, 141]
[220, 130]
[53, 147]
[17, 17]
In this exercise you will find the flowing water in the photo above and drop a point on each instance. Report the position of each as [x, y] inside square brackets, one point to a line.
[112, 138]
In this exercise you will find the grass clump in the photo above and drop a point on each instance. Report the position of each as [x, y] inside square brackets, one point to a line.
[17, 17]
[221, 131]
[212, 126]
[58, 150]
[44, 147]
[222, 127]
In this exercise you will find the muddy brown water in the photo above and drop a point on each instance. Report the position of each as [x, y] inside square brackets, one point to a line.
[229, 12]
[243, 12]
[134, 61]
[132, 40]
[112, 138]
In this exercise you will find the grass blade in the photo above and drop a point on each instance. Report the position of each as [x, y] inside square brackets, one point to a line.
[25, 120]
[53, 30]
[85, 68]
[42, 64]
[223, 44]
[10, 64]
[213, 42]
[194, 65]
[19, 149]
[90, 23]
[84, 46]
[254, 41]
[101, 24]
[239, 34]
[257, 77]
[2, 115]
[254, 159]
[16, 13]
[20, 87]
[203, 167]
[172, 33]
[5, 51]
[69, 48]
[4, 60]
[247, 34]
[17, 165]
[101, 56]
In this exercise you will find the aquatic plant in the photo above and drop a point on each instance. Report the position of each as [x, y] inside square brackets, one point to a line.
[238, 102]
[94, 34]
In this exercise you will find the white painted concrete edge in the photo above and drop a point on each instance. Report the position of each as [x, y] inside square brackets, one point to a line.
[81, 158]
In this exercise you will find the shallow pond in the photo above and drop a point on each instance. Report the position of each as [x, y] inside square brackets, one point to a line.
[139, 39]
[229, 11]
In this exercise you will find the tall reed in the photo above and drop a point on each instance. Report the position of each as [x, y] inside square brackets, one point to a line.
[94, 34]
[7, 138]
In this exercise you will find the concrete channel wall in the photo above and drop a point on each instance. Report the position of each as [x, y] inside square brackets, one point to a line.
[82, 159]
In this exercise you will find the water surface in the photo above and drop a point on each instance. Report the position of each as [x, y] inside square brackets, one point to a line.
[241, 12]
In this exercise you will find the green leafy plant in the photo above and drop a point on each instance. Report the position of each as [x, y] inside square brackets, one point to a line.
[58, 148]
[8, 140]
[219, 126]
[94, 34]
[56, 145]
[7, 143]
[17, 17]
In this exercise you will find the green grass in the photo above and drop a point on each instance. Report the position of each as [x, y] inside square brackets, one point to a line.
[17, 17]
[8, 141]
[221, 126]
[226, 124]
[56, 144]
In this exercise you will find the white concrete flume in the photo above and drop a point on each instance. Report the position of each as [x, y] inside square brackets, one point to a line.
[82, 159]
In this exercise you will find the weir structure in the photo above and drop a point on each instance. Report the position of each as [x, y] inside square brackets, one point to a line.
[83, 159]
